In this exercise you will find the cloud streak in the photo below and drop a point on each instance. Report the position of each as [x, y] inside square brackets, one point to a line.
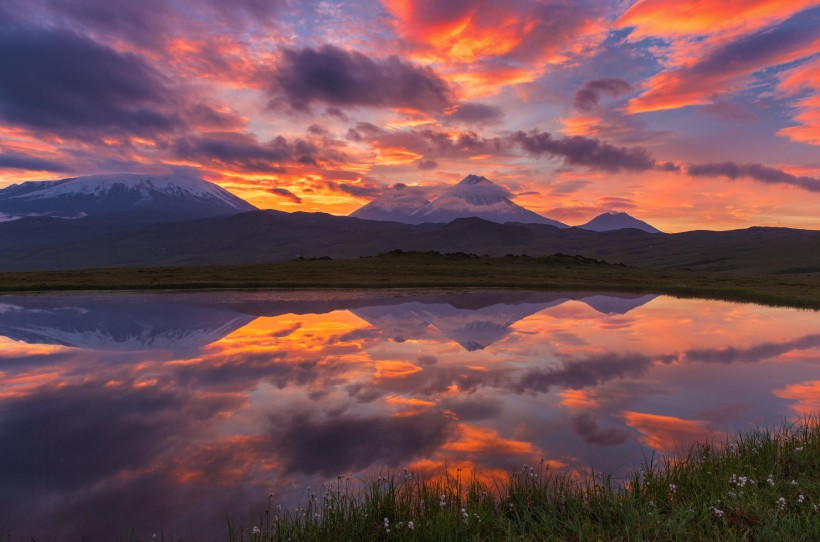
[757, 172]
[583, 151]
[16, 160]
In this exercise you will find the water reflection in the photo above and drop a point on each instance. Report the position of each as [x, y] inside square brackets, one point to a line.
[170, 411]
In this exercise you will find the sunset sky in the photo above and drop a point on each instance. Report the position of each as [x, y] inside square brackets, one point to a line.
[688, 114]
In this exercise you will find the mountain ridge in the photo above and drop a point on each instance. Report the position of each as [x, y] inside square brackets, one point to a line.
[617, 221]
[140, 198]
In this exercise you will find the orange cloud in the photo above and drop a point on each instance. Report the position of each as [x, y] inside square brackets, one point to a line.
[667, 433]
[484, 45]
[487, 441]
[802, 80]
[806, 395]
[578, 399]
[699, 83]
[714, 48]
[675, 18]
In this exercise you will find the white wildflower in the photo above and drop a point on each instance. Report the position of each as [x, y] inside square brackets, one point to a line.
[673, 488]
[770, 480]
[442, 500]
[782, 503]
[798, 449]
[801, 498]
[255, 530]
[411, 525]
[717, 512]
[794, 482]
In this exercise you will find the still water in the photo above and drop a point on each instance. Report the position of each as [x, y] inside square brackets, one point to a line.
[152, 413]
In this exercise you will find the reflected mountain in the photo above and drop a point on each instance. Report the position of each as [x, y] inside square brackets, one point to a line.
[120, 322]
[189, 321]
[476, 321]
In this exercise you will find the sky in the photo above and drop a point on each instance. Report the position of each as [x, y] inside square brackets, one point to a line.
[688, 114]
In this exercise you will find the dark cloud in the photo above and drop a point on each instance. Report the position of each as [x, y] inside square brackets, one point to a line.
[341, 78]
[244, 151]
[588, 96]
[754, 354]
[362, 190]
[477, 113]
[58, 82]
[583, 151]
[577, 374]
[760, 49]
[285, 193]
[237, 372]
[473, 408]
[204, 117]
[667, 166]
[586, 427]
[144, 23]
[758, 172]
[427, 164]
[429, 143]
[16, 160]
[302, 443]
[83, 434]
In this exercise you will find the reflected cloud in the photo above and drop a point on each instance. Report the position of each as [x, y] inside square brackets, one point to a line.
[215, 399]
[668, 433]
[586, 427]
[345, 444]
[806, 396]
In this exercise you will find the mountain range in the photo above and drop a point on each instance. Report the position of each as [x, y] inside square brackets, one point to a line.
[138, 220]
[183, 322]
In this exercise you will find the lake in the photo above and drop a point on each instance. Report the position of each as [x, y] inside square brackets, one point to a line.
[170, 412]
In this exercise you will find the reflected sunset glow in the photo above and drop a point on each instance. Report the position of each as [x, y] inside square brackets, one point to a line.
[226, 397]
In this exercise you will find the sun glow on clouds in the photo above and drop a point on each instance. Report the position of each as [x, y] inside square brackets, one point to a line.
[806, 397]
[667, 433]
[267, 100]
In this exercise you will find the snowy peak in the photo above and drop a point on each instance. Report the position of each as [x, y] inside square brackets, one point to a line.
[395, 204]
[473, 180]
[473, 196]
[617, 221]
[477, 197]
[152, 197]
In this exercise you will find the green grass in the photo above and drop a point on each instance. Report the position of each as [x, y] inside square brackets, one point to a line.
[426, 270]
[714, 492]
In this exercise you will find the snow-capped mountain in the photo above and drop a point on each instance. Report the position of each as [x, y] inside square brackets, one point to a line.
[479, 197]
[396, 204]
[119, 322]
[147, 197]
[474, 196]
[617, 221]
[477, 327]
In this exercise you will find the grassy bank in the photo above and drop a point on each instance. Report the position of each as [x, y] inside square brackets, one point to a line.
[427, 270]
[763, 486]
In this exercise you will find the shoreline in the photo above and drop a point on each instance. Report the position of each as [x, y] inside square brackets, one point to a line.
[432, 270]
